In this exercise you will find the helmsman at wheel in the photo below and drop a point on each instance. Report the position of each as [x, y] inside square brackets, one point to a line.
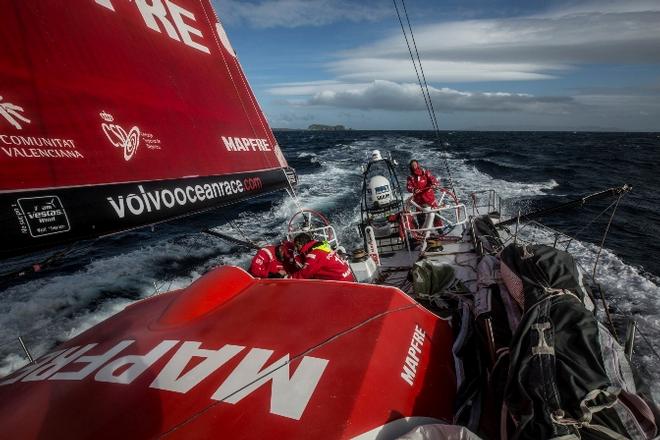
[422, 184]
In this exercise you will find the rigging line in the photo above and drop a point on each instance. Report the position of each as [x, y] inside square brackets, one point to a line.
[54, 258]
[412, 58]
[647, 341]
[240, 231]
[593, 276]
[292, 192]
[607, 230]
[156, 291]
[170, 279]
[243, 234]
[231, 76]
[294, 197]
[426, 85]
[610, 322]
[255, 105]
[575, 236]
[425, 89]
[276, 148]
[421, 69]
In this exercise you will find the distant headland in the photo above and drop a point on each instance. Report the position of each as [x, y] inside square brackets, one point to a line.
[316, 127]
[321, 127]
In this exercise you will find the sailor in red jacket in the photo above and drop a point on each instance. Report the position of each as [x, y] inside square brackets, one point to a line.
[321, 262]
[274, 261]
[291, 261]
[421, 183]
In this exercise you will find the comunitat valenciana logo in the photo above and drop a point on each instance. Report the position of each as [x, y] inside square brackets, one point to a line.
[128, 141]
[12, 113]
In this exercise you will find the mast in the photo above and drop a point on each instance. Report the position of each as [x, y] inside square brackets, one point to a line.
[122, 115]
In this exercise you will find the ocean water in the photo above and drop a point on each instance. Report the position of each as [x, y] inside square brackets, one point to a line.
[529, 170]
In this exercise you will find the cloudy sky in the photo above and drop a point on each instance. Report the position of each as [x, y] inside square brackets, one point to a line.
[490, 64]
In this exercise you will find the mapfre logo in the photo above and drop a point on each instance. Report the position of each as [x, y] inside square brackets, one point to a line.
[290, 389]
[129, 142]
[12, 113]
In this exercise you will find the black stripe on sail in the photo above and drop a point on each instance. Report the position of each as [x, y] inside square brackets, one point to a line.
[35, 220]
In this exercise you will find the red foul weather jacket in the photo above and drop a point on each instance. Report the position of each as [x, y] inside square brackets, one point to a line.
[322, 263]
[292, 262]
[265, 263]
[421, 185]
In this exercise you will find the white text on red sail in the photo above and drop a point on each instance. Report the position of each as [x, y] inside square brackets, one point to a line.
[174, 19]
[414, 355]
[290, 393]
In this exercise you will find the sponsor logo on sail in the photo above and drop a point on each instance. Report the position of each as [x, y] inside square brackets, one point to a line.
[409, 370]
[128, 141]
[41, 216]
[146, 201]
[12, 113]
[32, 147]
[245, 144]
[187, 367]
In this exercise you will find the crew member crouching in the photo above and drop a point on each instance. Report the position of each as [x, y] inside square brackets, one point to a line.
[274, 261]
[292, 262]
[320, 261]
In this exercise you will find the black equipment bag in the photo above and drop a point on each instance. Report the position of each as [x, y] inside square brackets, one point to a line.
[568, 377]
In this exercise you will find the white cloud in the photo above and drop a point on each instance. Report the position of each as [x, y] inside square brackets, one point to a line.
[306, 88]
[555, 44]
[514, 49]
[606, 7]
[387, 95]
[368, 69]
[298, 13]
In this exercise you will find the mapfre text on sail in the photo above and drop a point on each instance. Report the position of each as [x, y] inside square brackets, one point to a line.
[245, 144]
[167, 16]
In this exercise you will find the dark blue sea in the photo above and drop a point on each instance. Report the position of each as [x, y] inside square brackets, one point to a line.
[530, 170]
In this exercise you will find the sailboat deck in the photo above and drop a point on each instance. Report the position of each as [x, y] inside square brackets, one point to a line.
[460, 255]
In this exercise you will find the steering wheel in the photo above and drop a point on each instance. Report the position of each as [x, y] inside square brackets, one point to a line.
[451, 198]
[310, 220]
[447, 199]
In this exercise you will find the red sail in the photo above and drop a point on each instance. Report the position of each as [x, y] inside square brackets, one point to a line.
[231, 357]
[117, 114]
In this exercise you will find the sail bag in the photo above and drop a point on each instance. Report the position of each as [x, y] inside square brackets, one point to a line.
[567, 376]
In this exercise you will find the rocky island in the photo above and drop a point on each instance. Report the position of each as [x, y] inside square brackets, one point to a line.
[321, 127]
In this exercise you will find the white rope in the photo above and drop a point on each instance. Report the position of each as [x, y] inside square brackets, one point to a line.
[292, 193]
